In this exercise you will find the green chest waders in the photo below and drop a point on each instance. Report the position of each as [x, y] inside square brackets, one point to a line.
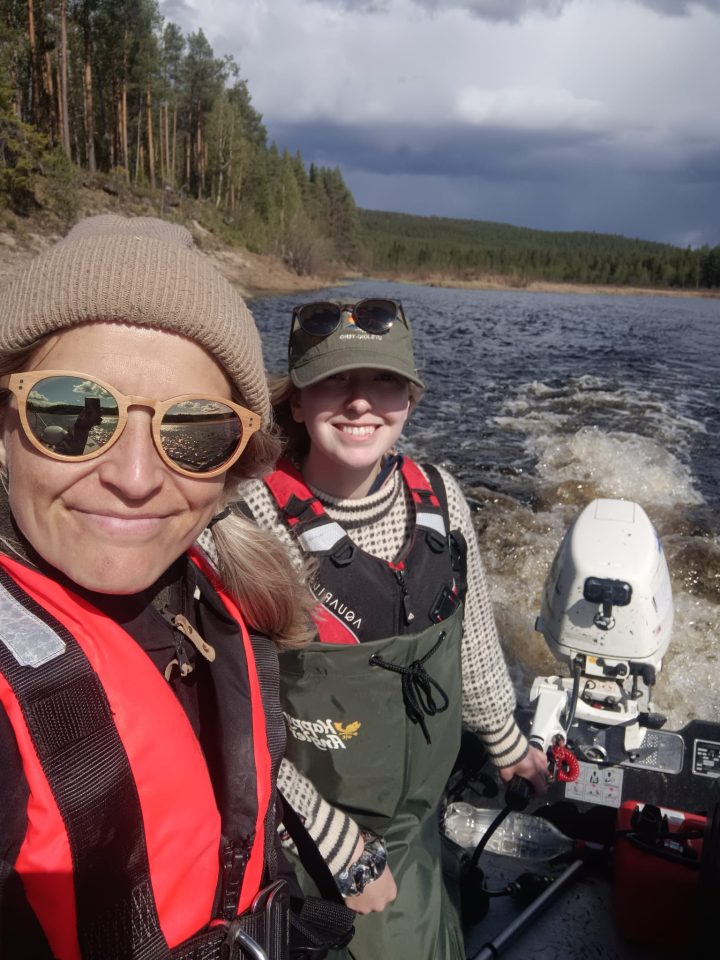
[349, 732]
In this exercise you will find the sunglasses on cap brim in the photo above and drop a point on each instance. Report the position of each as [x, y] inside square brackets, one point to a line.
[373, 315]
[74, 417]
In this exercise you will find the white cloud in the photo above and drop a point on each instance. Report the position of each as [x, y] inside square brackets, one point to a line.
[510, 10]
[528, 107]
[593, 60]
[636, 80]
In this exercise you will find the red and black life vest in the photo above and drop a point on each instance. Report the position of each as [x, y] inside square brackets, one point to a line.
[363, 597]
[133, 848]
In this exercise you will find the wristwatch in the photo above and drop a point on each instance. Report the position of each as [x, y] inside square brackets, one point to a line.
[366, 868]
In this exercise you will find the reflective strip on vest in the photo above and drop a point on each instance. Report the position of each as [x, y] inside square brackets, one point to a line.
[321, 538]
[28, 639]
[431, 521]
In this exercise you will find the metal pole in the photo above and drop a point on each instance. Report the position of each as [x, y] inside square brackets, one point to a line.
[492, 949]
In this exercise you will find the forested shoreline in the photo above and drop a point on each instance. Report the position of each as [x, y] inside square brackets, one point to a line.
[108, 94]
[465, 249]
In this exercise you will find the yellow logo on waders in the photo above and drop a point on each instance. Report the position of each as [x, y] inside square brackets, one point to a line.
[351, 730]
[324, 734]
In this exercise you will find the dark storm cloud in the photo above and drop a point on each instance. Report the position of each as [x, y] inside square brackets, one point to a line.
[450, 150]
[647, 208]
[513, 10]
[680, 8]
[357, 6]
[445, 149]
[552, 180]
[509, 10]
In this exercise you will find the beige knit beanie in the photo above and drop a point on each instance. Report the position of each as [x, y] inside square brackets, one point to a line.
[136, 270]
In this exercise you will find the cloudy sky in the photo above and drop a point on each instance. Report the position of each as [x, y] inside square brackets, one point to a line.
[556, 114]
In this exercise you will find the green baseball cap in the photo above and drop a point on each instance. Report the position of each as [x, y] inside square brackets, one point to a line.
[313, 357]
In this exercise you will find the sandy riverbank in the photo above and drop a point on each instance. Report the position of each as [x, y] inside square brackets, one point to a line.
[542, 286]
[251, 273]
[256, 275]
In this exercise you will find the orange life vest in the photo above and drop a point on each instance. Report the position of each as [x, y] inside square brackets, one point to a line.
[131, 848]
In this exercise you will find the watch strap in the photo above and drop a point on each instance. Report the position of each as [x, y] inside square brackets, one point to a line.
[368, 867]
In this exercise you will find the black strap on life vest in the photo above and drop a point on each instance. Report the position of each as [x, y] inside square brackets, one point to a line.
[308, 852]
[458, 546]
[268, 674]
[315, 922]
[284, 927]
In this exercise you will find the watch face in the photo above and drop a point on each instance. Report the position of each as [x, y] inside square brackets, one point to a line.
[377, 856]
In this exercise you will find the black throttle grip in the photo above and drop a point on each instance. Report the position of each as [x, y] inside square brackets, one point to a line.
[518, 793]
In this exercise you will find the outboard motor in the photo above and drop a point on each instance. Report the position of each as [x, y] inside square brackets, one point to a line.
[607, 612]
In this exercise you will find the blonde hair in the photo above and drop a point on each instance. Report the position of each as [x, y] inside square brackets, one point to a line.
[256, 569]
[254, 566]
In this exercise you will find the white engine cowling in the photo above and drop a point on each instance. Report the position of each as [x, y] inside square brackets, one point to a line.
[608, 595]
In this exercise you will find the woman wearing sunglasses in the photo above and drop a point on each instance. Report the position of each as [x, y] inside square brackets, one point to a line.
[139, 729]
[406, 649]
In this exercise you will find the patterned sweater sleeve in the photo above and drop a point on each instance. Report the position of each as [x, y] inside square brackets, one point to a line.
[335, 834]
[488, 696]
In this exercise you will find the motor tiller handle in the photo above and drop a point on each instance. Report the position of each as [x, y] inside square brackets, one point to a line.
[518, 793]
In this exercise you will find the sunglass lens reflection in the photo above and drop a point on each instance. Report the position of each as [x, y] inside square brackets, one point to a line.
[199, 435]
[319, 319]
[375, 316]
[71, 416]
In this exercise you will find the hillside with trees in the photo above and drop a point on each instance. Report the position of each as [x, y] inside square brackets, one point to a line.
[106, 92]
[415, 246]
[106, 95]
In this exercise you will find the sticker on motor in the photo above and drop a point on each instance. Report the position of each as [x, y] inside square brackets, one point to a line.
[706, 758]
[598, 785]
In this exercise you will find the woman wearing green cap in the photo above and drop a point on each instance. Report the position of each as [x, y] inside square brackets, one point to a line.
[140, 730]
[406, 649]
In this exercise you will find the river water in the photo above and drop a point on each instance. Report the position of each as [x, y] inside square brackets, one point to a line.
[538, 403]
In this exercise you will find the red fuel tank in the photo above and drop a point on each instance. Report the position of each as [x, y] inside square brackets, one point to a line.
[656, 876]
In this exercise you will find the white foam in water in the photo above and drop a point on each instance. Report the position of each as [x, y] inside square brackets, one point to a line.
[518, 548]
[689, 683]
[572, 467]
[616, 465]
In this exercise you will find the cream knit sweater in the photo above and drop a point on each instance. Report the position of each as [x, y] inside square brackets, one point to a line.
[380, 525]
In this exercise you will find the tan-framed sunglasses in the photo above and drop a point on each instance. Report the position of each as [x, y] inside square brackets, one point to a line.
[72, 417]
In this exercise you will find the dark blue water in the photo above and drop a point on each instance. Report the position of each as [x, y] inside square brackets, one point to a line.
[540, 402]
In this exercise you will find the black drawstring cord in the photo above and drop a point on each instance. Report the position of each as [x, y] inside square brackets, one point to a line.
[219, 516]
[417, 687]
